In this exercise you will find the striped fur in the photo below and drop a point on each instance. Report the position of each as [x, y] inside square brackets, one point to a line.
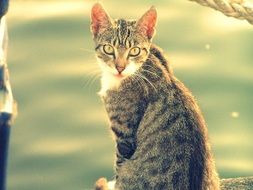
[161, 136]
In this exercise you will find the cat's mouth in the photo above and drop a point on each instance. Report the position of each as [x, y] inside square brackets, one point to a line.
[119, 76]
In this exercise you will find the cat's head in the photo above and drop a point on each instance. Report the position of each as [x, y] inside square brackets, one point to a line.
[122, 45]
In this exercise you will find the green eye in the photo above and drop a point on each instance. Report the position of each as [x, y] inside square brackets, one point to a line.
[135, 51]
[108, 49]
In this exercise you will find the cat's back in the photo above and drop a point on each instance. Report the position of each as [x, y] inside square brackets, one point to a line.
[172, 145]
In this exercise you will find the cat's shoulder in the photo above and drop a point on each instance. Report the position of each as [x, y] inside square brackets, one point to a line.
[155, 48]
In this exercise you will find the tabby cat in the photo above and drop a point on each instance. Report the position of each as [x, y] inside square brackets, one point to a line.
[161, 136]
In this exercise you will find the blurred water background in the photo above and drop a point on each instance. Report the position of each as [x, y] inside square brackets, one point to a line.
[61, 139]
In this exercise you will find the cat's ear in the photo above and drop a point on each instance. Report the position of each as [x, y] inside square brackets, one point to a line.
[100, 20]
[147, 23]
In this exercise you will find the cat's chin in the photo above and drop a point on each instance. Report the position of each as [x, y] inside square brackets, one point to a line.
[111, 81]
[120, 76]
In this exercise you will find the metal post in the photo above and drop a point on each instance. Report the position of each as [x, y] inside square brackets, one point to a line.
[6, 98]
[4, 141]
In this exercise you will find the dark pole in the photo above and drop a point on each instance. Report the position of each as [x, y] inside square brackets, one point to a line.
[4, 141]
[6, 99]
[4, 4]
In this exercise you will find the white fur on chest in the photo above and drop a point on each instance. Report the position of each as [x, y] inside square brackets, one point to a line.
[109, 79]
[108, 82]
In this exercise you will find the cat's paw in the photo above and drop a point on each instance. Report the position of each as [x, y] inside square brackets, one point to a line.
[101, 184]
[126, 148]
[111, 185]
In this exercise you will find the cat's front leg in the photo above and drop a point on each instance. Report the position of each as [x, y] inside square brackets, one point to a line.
[124, 151]
[125, 143]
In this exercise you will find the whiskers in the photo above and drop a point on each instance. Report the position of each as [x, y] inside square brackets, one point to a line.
[146, 76]
[150, 72]
[87, 50]
[144, 82]
[91, 76]
[93, 72]
[148, 81]
[141, 84]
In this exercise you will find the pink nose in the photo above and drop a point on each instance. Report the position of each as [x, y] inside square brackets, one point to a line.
[120, 69]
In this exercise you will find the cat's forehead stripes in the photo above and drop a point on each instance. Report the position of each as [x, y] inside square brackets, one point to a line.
[123, 32]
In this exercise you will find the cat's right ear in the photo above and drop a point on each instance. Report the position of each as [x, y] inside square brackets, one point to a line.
[147, 23]
[100, 20]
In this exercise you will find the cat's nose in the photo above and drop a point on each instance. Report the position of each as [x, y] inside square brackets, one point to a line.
[120, 69]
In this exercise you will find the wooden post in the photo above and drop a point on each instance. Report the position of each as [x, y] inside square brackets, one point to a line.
[6, 98]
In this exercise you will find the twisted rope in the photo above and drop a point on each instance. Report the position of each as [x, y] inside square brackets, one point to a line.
[240, 9]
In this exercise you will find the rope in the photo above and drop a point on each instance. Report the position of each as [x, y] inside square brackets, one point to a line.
[240, 9]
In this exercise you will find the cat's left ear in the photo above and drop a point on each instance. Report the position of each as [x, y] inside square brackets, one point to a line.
[147, 23]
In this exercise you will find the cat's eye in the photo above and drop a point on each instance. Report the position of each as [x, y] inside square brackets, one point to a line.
[134, 51]
[108, 49]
